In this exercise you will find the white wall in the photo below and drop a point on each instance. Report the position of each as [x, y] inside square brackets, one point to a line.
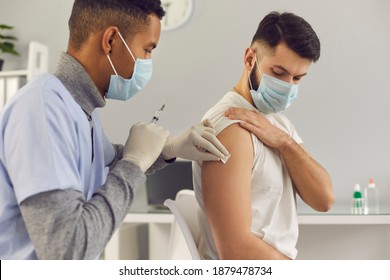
[342, 112]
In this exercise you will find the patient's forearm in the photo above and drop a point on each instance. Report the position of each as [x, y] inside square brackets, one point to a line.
[313, 183]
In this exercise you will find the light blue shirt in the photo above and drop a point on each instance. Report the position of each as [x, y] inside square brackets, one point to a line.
[45, 144]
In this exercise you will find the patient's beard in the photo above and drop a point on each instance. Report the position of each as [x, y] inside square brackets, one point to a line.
[254, 79]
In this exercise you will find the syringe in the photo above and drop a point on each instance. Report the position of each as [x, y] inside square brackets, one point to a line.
[156, 116]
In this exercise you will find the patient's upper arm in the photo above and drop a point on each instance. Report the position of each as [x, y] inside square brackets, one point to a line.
[227, 190]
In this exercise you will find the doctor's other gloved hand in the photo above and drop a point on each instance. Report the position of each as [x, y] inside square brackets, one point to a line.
[144, 144]
[197, 143]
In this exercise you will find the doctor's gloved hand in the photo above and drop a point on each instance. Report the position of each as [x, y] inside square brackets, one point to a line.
[144, 144]
[198, 143]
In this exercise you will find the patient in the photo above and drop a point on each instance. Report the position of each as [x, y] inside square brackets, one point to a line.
[248, 205]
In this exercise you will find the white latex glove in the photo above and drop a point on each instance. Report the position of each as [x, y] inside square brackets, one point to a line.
[144, 144]
[198, 143]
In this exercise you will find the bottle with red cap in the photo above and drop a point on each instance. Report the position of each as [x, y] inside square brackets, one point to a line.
[371, 199]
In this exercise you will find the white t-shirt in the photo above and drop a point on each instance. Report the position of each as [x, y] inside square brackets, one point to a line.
[274, 215]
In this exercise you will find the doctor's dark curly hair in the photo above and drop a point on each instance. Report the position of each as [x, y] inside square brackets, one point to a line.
[290, 29]
[89, 16]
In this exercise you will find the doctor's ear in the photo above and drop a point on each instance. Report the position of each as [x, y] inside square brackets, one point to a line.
[110, 43]
[108, 39]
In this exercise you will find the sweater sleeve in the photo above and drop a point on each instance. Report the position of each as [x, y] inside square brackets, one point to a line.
[62, 225]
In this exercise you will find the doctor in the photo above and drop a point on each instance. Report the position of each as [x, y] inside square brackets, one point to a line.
[64, 189]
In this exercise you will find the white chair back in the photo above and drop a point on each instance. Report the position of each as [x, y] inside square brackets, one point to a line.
[185, 234]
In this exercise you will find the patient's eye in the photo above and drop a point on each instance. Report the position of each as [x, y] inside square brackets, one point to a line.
[278, 72]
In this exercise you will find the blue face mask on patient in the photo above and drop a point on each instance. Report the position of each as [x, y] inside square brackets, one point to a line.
[123, 89]
[273, 95]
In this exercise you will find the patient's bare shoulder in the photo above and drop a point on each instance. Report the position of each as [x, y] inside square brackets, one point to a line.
[237, 139]
[227, 190]
[226, 187]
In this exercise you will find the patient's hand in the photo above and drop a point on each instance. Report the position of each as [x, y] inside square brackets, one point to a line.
[260, 126]
[311, 180]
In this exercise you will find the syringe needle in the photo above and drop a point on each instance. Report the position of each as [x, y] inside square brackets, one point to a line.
[156, 116]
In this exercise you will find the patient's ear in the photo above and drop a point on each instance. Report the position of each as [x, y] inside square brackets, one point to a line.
[249, 59]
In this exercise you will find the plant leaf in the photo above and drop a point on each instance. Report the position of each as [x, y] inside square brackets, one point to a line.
[4, 26]
[3, 37]
[8, 47]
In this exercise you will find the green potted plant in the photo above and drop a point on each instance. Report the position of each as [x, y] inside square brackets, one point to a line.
[6, 43]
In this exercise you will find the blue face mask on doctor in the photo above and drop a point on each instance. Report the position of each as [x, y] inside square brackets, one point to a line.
[273, 95]
[124, 89]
